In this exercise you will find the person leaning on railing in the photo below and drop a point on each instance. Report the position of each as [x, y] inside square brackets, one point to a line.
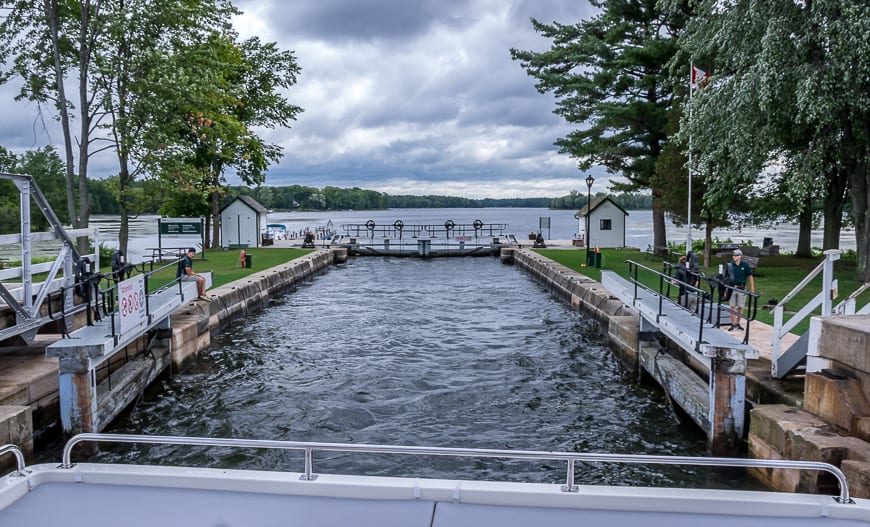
[741, 274]
[684, 276]
[185, 272]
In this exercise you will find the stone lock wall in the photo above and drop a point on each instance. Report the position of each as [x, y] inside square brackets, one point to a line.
[621, 322]
[834, 424]
[194, 325]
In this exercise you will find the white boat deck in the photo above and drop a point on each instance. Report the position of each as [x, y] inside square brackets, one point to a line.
[103, 495]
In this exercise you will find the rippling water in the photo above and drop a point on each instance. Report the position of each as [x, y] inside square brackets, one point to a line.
[458, 352]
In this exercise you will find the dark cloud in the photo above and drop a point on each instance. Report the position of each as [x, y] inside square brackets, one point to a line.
[339, 20]
[402, 96]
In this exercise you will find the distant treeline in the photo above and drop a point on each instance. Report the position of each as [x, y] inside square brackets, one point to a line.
[331, 198]
[438, 202]
[576, 201]
[44, 164]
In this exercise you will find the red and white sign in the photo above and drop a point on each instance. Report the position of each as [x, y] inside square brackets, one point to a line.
[463, 238]
[131, 303]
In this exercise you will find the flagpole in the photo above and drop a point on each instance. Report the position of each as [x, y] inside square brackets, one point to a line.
[689, 213]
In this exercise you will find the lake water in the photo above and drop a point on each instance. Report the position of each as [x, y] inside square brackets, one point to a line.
[563, 225]
[521, 221]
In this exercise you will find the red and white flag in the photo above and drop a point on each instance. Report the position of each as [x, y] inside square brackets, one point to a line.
[699, 77]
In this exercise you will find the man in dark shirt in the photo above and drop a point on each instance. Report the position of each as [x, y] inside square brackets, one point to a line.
[185, 272]
[742, 274]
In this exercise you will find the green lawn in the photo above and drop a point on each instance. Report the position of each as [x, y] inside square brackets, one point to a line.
[224, 265]
[775, 277]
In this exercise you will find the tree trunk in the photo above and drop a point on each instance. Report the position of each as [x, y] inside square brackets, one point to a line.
[124, 180]
[660, 238]
[207, 234]
[708, 242]
[51, 17]
[215, 219]
[860, 182]
[805, 229]
[85, 120]
[835, 201]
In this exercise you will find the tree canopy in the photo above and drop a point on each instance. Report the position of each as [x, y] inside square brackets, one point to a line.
[788, 109]
[210, 125]
[609, 75]
[166, 84]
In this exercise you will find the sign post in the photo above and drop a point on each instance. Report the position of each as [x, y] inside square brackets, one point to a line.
[544, 223]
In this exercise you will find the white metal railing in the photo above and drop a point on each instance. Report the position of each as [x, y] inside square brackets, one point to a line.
[19, 458]
[849, 305]
[571, 458]
[823, 299]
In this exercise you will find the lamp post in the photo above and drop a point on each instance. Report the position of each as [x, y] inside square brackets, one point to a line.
[589, 181]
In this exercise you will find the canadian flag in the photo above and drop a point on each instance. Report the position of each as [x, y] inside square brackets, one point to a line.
[699, 77]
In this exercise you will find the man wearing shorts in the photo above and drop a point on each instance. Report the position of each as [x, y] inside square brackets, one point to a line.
[742, 274]
[185, 272]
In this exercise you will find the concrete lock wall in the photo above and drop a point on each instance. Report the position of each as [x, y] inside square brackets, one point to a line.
[129, 371]
[193, 325]
[776, 431]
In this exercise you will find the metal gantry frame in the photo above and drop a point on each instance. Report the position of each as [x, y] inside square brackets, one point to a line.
[24, 301]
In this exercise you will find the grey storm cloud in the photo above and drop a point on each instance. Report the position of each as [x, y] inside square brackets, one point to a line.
[401, 96]
[389, 20]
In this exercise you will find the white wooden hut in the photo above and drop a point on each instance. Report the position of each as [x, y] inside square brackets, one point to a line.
[240, 223]
[606, 223]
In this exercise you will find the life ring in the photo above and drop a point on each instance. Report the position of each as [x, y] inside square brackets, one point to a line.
[370, 225]
[399, 225]
[477, 224]
[449, 224]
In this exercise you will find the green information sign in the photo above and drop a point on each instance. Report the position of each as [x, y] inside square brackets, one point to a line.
[181, 227]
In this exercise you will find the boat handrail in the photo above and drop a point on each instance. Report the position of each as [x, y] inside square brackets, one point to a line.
[570, 457]
[19, 458]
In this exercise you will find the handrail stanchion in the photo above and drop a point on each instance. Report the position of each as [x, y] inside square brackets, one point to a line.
[700, 322]
[661, 297]
[147, 300]
[309, 464]
[19, 458]
[569, 480]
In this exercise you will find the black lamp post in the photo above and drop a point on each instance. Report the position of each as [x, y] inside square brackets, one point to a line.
[589, 181]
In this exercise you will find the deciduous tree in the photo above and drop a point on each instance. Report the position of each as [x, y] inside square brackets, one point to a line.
[138, 39]
[790, 95]
[214, 97]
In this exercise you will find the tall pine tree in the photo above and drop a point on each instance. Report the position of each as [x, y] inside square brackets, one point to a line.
[610, 80]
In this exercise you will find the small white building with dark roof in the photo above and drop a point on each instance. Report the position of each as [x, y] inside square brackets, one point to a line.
[241, 222]
[606, 223]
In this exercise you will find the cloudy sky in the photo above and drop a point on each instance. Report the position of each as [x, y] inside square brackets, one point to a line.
[402, 96]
